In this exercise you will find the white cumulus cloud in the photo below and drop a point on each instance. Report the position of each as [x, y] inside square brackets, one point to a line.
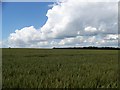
[72, 22]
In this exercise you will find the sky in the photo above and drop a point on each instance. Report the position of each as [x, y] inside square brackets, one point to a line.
[17, 15]
[63, 24]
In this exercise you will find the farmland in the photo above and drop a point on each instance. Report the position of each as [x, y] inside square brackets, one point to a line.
[53, 68]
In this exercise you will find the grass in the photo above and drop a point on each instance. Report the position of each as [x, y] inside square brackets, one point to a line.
[52, 68]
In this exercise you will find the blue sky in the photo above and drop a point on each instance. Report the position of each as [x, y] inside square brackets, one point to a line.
[62, 24]
[17, 15]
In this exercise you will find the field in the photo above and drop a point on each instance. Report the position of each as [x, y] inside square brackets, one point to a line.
[53, 68]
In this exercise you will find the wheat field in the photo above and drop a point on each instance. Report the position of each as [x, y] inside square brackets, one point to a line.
[53, 68]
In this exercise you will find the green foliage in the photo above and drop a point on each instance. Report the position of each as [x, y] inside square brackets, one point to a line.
[47, 68]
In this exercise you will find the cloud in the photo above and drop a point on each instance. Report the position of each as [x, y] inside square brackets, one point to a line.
[71, 41]
[72, 22]
[0, 44]
[26, 37]
[74, 16]
[98, 40]
[112, 37]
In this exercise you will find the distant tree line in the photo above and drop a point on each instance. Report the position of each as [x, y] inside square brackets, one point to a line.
[90, 47]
